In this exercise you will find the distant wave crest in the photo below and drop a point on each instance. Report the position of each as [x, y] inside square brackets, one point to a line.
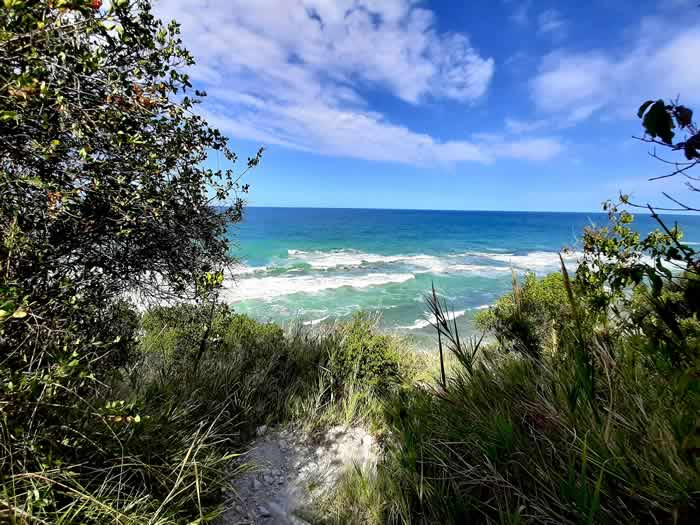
[429, 319]
[315, 271]
[276, 286]
[478, 262]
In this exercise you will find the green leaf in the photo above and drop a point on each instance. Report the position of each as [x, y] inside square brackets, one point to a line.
[644, 107]
[34, 181]
[691, 147]
[658, 122]
[684, 116]
[7, 115]
[19, 314]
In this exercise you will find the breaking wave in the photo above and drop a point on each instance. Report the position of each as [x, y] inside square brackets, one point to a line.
[429, 319]
[276, 286]
[477, 262]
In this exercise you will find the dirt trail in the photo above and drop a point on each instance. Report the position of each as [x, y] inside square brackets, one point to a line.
[293, 471]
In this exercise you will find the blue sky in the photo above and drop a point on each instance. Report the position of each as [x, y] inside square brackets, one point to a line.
[499, 105]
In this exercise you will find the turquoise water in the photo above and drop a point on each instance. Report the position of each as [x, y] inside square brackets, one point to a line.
[318, 265]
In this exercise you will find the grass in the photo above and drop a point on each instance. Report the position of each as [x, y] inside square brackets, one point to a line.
[510, 437]
[161, 441]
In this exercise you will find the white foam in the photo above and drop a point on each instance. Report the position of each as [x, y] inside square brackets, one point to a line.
[247, 270]
[276, 286]
[431, 320]
[421, 263]
[538, 261]
[321, 260]
[477, 268]
[482, 307]
[314, 322]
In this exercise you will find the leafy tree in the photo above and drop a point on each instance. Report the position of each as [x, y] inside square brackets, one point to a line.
[659, 266]
[647, 284]
[105, 193]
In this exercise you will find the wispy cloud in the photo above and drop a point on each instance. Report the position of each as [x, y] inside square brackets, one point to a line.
[520, 11]
[296, 73]
[576, 85]
[518, 126]
[551, 23]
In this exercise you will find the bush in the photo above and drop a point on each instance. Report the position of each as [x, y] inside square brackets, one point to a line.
[667, 324]
[281, 375]
[502, 443]
[105, 193]
[178, 332]
[365, 355]
[532, 318]
[601, 431]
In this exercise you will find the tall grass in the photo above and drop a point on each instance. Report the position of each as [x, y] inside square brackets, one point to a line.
[522, 437]
[512, 434]
[170, 444]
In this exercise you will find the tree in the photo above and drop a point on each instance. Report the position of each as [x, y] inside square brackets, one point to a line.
[105, 193]
[649, 283]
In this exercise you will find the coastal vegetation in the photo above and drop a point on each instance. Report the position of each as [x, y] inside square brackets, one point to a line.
[579, 405]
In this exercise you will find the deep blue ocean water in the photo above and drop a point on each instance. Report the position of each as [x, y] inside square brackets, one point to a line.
[318, 265]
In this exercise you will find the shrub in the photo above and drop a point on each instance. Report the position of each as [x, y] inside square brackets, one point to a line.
[531, 318]
[178, 332]
[504, 444]
[105, 192]
[366, 355]
[279, 376]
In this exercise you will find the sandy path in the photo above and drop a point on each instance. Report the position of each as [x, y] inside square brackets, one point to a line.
[293, 471]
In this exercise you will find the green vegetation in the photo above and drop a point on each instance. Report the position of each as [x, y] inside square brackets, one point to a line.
[104, 193]
[514, 438]
[163, 438]
[530, 319]
[582, 408]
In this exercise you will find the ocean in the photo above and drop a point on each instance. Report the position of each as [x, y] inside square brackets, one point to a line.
[318, 265]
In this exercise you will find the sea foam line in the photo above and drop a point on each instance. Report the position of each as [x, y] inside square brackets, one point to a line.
[451, 263]
[275, 286]
[314, 322]
[537, 260]
[431, 320]
[321, 260]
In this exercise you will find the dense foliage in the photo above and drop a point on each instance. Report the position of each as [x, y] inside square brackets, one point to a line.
[369, 356]
[582, 408]
[531, 319]
[104, 195]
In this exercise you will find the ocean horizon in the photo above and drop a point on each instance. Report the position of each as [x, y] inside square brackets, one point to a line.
[319, 265]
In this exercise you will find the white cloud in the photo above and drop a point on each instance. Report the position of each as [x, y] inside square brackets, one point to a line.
[293, 73]
[366, 135]
[658, 64]
[551, 23]
[526, 126]
[388, 42]
[520, 14]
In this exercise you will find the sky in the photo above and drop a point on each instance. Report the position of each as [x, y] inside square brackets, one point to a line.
[468, 105]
